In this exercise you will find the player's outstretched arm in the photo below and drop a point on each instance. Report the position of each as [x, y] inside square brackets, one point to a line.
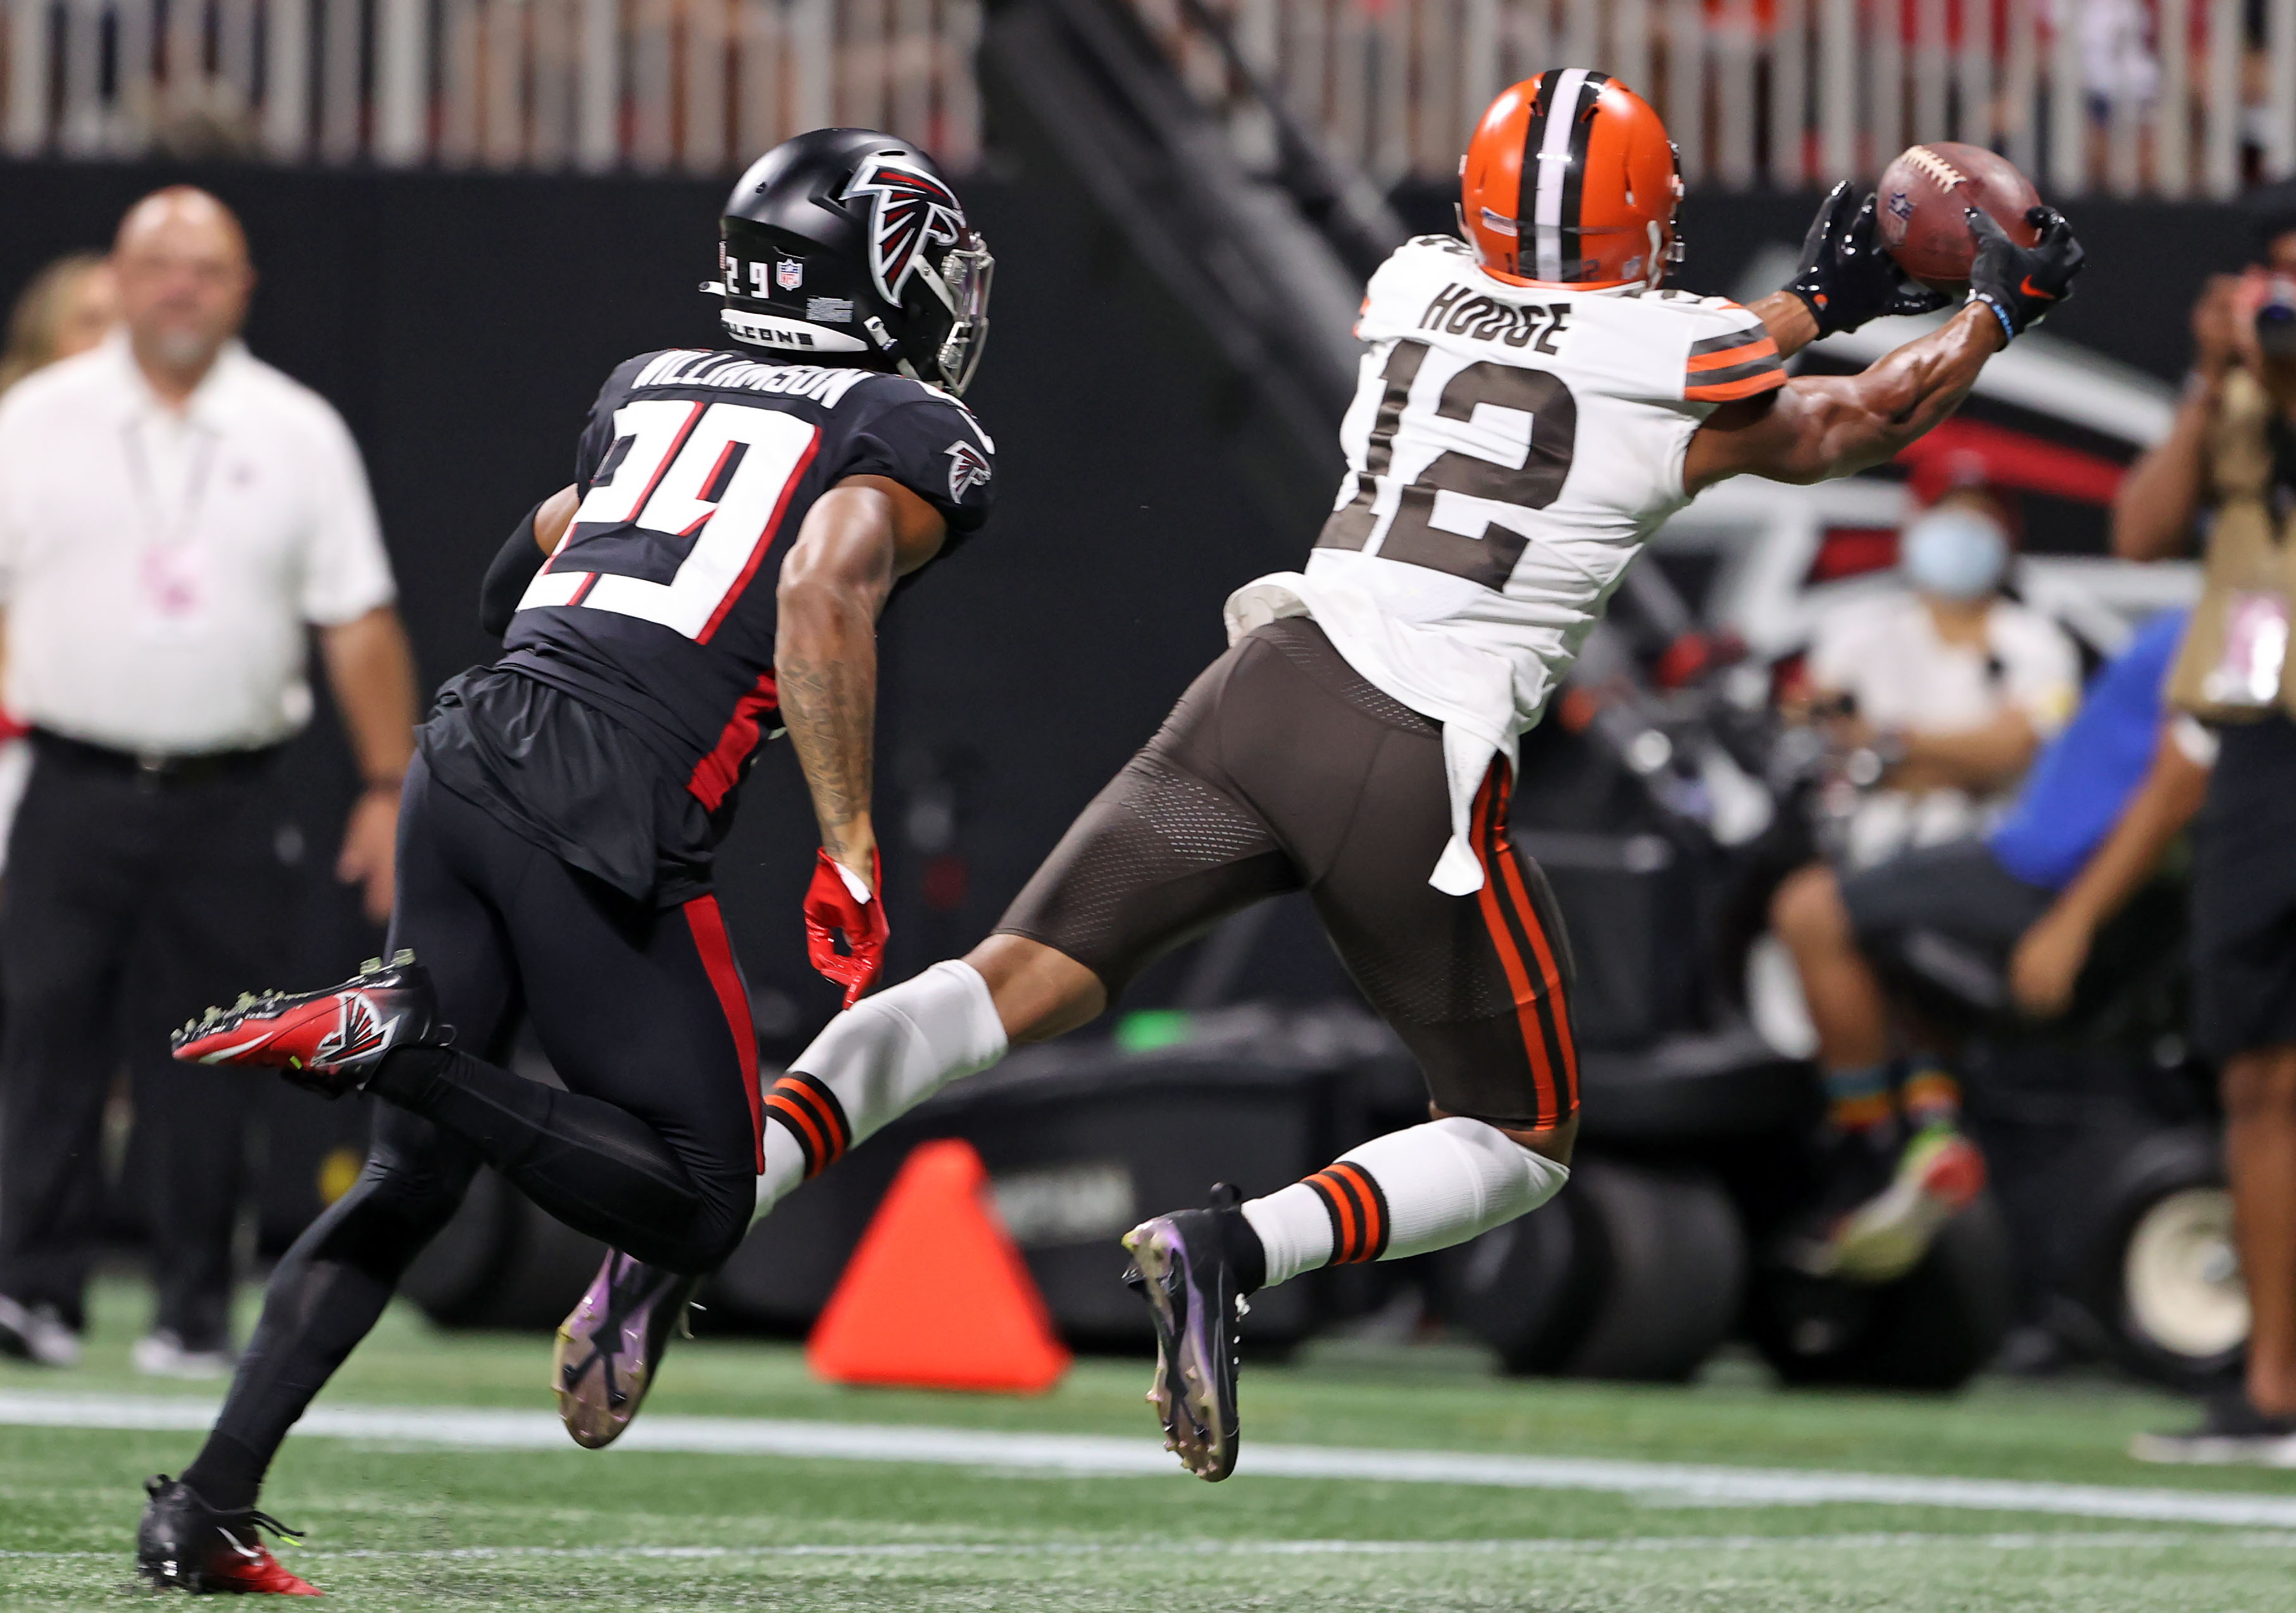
[1816, 427]
[857, 540]
[1844, 278]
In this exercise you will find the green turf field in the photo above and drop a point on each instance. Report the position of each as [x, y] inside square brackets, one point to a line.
[397, 1523]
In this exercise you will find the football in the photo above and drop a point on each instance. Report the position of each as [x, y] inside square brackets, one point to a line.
[1921, 202]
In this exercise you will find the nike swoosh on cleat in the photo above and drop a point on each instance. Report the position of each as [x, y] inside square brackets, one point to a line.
[225, 1052]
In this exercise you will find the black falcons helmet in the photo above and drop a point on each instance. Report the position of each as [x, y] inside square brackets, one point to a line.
[847, 244]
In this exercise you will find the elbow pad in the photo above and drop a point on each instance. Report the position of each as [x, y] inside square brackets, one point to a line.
[507, 578]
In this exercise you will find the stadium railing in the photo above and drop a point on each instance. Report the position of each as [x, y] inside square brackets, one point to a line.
[651, 85]
[2167, 98]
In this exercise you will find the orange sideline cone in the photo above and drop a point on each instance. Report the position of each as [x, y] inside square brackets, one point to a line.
[936, 1296]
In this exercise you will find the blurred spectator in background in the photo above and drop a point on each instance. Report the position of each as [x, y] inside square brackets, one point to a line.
[69, 306]
[2227, 468]
[173, 513]
[1980, 924]
[1938, 692]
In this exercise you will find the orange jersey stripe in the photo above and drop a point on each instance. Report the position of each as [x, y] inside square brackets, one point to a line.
[1760, 347]
[1769, 380]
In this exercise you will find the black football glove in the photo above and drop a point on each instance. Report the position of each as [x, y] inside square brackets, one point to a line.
[1844, 275]
[2021, 285]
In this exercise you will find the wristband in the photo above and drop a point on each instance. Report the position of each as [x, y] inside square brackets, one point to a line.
[2008, 330]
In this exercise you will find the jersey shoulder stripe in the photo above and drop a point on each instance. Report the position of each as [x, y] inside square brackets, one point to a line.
[1740, 362]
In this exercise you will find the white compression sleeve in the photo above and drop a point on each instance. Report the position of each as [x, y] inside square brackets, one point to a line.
[876, 1062]
[1424, 1188]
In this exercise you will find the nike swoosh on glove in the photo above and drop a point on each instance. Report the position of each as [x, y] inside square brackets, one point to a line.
[837, 904]
[1844, 276]
[2021, 284]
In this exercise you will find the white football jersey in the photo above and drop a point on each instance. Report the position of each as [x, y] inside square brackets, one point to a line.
[1510, 450]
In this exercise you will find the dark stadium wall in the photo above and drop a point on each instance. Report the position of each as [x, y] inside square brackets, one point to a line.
[463, 324]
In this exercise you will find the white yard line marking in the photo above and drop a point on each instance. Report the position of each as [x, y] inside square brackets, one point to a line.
[1075, 1455]
[2030, 1541]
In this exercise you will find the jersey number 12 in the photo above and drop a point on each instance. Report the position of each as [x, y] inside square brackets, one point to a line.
[1412, 535]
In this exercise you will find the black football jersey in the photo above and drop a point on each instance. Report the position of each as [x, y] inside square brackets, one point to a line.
[695, 473]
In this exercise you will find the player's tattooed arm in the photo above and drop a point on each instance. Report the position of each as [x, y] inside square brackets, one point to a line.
[1816, 427]
[859, 539]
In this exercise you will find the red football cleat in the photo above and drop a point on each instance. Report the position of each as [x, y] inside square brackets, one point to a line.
[258, 1571]
[183, 1543]
[330, 1039]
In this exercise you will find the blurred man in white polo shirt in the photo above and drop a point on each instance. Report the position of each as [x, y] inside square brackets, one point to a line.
[175, 515]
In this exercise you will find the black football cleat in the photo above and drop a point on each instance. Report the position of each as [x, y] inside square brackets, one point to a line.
[185, 1544]
[2234, 1432]
[329, 1041]
[610, 1346]
[1183, 1267]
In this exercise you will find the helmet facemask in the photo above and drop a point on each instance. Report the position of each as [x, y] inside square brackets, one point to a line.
[960, 282]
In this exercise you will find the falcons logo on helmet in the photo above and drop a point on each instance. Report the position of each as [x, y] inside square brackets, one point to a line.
[909, 210]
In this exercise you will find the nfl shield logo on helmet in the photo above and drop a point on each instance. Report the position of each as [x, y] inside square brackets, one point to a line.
[789, 273]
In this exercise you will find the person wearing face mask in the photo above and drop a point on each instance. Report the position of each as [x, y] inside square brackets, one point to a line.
[1939, 693]
[2002, 922]
[178, 523]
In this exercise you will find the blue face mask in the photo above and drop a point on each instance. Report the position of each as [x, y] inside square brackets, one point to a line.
[1955, 555]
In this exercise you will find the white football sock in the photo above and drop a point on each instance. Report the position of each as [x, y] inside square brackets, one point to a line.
[875, 1062]
[1426, 1187]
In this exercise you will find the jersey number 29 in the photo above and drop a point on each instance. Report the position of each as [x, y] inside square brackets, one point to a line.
[1412, 535]
[720, 474]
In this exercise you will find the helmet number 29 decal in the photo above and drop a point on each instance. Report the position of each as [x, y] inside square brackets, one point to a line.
[718, 473]
[1532, 482]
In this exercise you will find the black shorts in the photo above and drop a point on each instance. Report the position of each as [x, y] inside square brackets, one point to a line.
[2245, 894]
[1945, 916]
[639, 1005]
[1283, 769]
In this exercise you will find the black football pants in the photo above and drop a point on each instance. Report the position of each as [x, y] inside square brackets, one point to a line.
[131, 902]
[652, 1146]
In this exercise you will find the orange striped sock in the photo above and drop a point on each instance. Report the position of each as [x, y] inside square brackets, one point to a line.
[1860, 1100]
[1932, 1097]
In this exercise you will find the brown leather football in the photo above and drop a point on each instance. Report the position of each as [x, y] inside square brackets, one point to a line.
[1922, 198]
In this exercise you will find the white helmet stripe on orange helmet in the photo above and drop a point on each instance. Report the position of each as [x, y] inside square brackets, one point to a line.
[1558, 158]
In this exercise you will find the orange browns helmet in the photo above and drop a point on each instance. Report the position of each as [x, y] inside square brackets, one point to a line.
[1571, 180]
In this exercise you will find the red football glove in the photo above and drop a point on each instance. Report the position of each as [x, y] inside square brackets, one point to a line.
[833, 907]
